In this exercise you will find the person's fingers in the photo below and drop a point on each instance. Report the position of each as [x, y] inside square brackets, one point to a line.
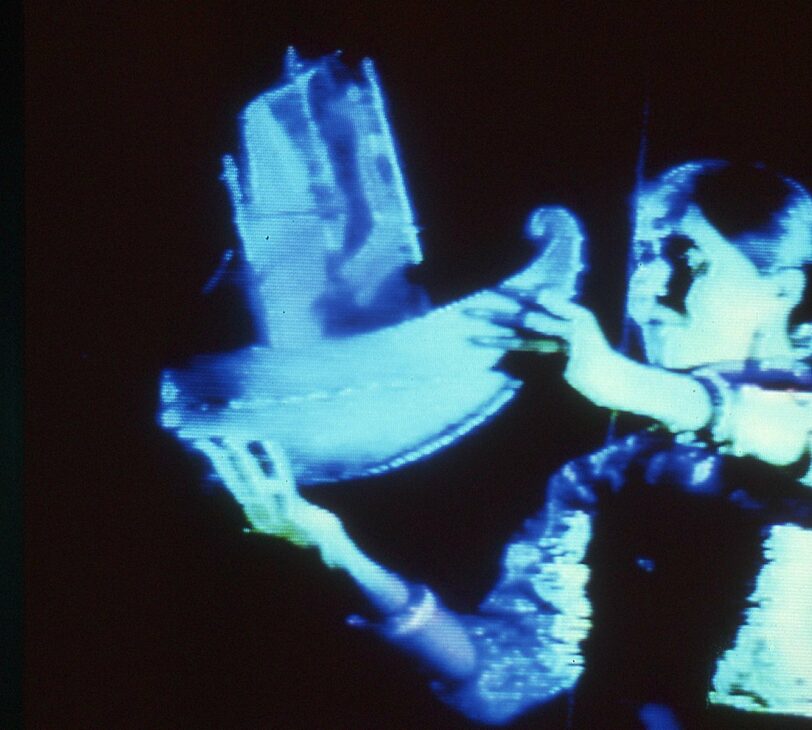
[559, 306]
[282, 468]
[545, 325]
[267, 501]
[494, 316]
[223, 465]
[245, 461]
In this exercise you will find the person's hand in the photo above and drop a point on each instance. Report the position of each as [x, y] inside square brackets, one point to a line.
[550, 322]
[610, 379]
[592, 365]
[260, 478]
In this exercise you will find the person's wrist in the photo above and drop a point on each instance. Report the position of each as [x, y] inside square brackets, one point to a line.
[719, 397]
[418, 611]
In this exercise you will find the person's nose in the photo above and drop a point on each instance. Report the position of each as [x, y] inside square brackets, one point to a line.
[648, 282]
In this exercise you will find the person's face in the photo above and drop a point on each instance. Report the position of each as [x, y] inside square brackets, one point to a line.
[694, 296]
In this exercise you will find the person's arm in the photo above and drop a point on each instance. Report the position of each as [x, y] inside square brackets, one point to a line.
[773, 426]
[261, 480]
[520, 648]
[614, 381]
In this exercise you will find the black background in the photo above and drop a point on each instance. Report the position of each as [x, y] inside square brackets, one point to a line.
[146, 606]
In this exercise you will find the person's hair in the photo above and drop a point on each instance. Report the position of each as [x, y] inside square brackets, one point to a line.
[767, 216]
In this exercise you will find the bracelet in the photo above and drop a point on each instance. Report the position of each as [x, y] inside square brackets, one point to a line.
[421, 607]
[719, 394]
[415, 615]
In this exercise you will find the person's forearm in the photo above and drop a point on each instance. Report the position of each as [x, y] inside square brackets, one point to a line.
[766, 424]
[385, 590]
[433, 634]
[614, 381]
[418, 624]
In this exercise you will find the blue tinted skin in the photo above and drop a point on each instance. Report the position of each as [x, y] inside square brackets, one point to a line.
[729, 313]
[355, 376]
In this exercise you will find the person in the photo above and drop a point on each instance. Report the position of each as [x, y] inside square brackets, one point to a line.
[717, 272]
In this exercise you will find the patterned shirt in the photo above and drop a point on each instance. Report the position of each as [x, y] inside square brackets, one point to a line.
[633, 499]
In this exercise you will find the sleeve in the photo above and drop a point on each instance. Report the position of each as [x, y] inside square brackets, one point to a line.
[528, 630]
[769, 666]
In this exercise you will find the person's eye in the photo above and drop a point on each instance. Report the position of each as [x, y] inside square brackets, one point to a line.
[685, 261]
[676, 248]
[644, 252]
[681, 252]
[697, 262]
